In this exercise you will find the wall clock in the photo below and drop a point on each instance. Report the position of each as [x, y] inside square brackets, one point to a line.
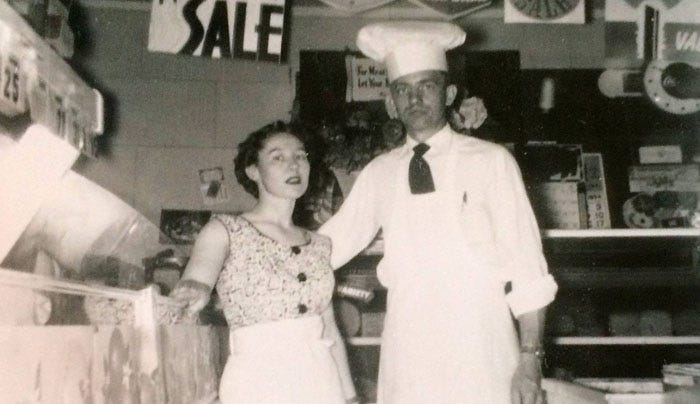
[545, 9]
[658, 81]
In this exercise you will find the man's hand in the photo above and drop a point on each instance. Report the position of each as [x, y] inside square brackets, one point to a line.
[525, 387]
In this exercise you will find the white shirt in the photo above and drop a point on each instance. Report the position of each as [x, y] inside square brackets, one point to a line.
[495, 211]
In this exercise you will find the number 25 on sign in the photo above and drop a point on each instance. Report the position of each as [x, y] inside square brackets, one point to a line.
[11, 96]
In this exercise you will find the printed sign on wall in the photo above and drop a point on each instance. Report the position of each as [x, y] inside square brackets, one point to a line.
[367, 79]
[240, 29]
[641, 30]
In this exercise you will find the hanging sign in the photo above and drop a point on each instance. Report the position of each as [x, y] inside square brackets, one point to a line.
[641, 30]
[12, 78]
[239, 29]
[682, 41]
[367, 79]
[451, 9]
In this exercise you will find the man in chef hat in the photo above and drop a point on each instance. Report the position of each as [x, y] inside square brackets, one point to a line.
[458, 232]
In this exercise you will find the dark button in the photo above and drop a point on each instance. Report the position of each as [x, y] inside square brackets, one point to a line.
[302, 308]
[296, 249]
[301, 277]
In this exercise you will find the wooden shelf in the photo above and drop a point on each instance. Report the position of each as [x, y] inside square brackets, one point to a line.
[620, 233]
[631, 340]
[377, 246]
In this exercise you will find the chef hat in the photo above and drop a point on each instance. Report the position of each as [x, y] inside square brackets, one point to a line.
[409, 46]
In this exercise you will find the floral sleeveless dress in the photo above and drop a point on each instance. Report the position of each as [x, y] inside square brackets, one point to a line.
[272, 296]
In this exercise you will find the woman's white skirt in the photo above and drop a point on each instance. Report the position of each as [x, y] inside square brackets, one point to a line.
[281, 362]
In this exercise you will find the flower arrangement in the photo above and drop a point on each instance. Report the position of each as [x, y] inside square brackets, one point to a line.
[466, 112]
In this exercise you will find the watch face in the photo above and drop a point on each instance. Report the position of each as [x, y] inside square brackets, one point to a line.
[545, 9]
[653, 85]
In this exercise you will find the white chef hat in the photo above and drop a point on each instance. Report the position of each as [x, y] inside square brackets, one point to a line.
[409, 46]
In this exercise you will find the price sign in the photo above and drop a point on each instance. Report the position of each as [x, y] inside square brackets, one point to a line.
[72, 129]
[596, 193]
[55, 117]
[38, 97]
[89, 143]
[78, 127]
[12, 99]
[60, 114]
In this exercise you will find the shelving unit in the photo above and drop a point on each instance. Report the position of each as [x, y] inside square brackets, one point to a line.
[623, 272]
[620, 233]
[377, 246]
[670, 340]
[597, 275]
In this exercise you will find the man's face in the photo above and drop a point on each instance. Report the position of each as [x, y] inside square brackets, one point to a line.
[420, 99]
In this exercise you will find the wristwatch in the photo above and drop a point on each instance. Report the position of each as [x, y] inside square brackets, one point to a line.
[538, 351]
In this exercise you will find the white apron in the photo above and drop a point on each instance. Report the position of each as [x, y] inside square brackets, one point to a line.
[448, 335]
[281, 362]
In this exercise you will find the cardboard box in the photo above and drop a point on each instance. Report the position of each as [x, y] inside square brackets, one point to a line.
[559, 205]
[665, 177]
[546, 161]
[660, 154]
[605, 391]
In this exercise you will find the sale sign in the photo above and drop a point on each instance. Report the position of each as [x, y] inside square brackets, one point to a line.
[240, 29]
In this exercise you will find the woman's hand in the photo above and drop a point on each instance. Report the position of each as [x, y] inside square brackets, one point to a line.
[525, 387]
[192, 294]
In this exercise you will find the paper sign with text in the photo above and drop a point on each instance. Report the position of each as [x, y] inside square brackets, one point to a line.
[367, 79]
[239, 29]
[638, 30]
[596, 194]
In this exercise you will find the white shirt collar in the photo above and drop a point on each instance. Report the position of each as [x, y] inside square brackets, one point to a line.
[439, 143]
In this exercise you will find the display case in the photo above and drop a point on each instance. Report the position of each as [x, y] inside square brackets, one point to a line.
[82, 320]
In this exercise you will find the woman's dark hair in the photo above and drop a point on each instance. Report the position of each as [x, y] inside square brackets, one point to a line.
[249, 149]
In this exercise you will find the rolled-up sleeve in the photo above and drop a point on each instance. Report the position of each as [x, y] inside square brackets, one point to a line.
[518, 239]
[354, 226]
[531, 296]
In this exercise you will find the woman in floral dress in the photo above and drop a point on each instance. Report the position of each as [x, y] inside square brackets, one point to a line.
[275, 284]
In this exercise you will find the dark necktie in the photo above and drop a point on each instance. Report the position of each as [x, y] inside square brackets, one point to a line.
[419, 178]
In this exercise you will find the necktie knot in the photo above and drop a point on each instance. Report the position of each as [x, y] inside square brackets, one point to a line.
[420, 149]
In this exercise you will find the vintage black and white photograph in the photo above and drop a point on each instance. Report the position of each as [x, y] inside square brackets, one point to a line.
[350, 202]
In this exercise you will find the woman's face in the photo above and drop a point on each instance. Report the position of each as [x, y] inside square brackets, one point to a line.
[282, 169]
